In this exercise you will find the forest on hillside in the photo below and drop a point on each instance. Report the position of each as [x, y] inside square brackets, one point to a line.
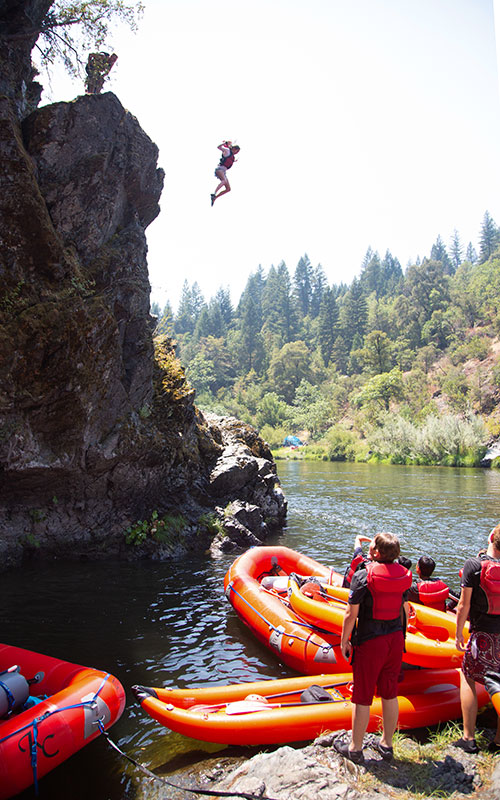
[401, 366]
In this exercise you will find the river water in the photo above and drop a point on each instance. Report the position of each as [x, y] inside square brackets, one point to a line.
[169, 624]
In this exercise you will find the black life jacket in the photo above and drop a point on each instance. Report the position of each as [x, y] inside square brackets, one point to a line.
[227, 161]
[490, 583]
[386, 584]
[433, 594]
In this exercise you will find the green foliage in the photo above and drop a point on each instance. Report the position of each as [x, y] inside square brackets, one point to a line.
[69, 28]
[164, 530]
[211, 523]
[449, 440]
[379, 390]
[341, 444]
[299, 355]
[273, 436]
[476, 347]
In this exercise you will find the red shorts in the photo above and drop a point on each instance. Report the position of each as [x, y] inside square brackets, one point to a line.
[376, 666]
[482, 655]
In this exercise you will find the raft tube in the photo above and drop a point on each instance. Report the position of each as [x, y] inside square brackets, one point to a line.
[430, 636]
[303, 646]
[221, 713]
[69, 704]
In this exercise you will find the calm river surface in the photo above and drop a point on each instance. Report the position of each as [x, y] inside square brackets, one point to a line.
[163, 624]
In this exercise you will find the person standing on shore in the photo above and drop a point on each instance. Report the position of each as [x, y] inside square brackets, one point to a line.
[480, 603]
[377, 610]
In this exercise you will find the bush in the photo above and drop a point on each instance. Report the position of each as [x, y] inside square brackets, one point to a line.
[273, 436]
[341, 444]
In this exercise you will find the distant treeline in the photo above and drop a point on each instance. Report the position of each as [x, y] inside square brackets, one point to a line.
[362, 369]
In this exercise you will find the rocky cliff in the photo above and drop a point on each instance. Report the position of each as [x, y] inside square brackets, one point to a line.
[98, 427]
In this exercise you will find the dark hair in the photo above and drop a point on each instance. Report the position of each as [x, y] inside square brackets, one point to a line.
[387, 545]
[405, 562]
[426, 565]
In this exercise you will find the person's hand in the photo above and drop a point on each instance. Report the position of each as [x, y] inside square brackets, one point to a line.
[459, 642]
[346, 650]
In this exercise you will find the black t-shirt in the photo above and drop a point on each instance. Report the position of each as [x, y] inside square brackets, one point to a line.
[480, 620]
[367, 627]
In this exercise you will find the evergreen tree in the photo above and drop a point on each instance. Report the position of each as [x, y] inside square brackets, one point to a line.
[278, 307]
[392, 274]
[489, 238]
[319, 285]
[456, 251]
[184, 320]
[302, 285]
[223, 299]
[371, 275]
[327, 325]
[439, 253]
[353, 313]
[470, 254]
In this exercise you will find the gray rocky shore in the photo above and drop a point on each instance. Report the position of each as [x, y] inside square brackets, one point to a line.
[316, 771]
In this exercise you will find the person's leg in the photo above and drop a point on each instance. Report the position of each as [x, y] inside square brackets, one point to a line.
[468, 701]
[390, 714]
[387, 685]
[227, 188]
[360, 718]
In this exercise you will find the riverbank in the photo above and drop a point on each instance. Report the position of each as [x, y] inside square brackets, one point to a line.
[420, 770]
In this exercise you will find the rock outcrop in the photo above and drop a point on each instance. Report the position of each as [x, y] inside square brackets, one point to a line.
[98, 427]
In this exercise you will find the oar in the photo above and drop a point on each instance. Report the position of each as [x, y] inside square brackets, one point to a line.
[218, 706]
[249, 706]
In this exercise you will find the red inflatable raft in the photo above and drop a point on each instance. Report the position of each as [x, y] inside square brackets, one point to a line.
[66, 706]
[303, 646]
[222, 714]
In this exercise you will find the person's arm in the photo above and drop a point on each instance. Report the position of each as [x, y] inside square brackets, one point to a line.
[350, 617]
[463, 609]
[358, 542]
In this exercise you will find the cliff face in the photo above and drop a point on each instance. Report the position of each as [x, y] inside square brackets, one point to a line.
[97, 429]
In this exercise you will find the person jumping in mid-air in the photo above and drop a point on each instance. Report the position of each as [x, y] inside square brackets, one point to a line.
[228, 150]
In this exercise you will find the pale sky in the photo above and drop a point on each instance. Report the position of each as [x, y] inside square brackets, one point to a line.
[361, 123]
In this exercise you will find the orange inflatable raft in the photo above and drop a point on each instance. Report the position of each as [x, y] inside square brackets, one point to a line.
[430, 636]
[51, 707]
[305, 632]
[303, 646]
[222, 714]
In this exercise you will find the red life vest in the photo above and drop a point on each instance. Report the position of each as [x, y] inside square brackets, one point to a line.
[433, 594]
[387, 583]
[352, 569]
[490, 584]
[227, 161]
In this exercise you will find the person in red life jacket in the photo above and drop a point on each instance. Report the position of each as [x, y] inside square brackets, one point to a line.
[376, 618]
[426, 590]
[359, 560]
[480, 602]
[228, 150]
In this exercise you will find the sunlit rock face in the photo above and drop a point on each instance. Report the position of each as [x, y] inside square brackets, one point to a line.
[98, 426]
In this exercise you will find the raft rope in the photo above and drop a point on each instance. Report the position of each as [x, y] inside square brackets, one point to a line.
[159, 778]
[37, 720]
[312, 628]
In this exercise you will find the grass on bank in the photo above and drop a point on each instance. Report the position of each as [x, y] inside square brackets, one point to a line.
[416, 766]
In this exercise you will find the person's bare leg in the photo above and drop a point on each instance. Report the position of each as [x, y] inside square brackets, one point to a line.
[468, 701]
[226, 189]
[360, 718]
[390, 714]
